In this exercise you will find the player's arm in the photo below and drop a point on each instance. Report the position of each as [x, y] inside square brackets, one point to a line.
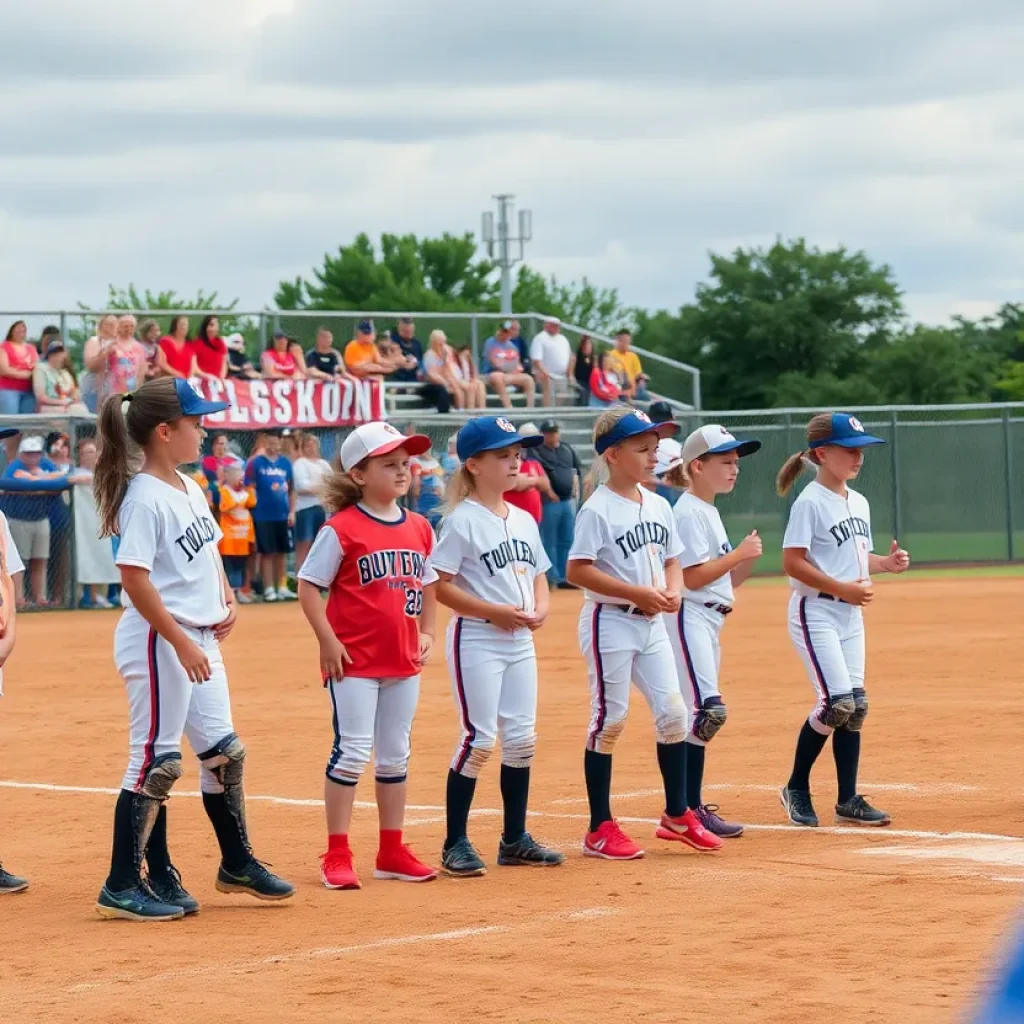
[505, 616]
[223, 628]
[428, 621]
[541, 601]
[897, 560]
[739, 562]
[796, 565]
[9, 634]
[582, 572]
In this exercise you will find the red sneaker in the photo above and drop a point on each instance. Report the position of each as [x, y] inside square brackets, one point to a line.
[336, 870]
[402, 864]
[688, 829]
[610, 843]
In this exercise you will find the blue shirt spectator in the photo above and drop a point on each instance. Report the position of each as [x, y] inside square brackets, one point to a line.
[30, 462]
[271, 475]
[405, 338]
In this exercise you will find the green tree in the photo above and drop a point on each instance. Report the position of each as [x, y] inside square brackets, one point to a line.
[826, 391]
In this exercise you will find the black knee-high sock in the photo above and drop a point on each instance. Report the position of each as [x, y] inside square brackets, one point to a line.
[234, 851]
[515, 792]
[597, 769]
[846, 751]
[158, 858]
[694, 774]
[672, 762]
[124, 863]
[459, 799]
[808, 746]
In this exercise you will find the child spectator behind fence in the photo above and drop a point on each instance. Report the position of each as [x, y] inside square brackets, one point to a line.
[236, 524]
[427, 490]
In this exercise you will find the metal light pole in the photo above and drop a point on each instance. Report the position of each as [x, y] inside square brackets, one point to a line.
[503, 240]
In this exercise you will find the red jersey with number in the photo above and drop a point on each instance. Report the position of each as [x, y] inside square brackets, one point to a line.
[375, 594]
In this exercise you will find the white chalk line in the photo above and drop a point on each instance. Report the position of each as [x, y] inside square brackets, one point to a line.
[337, 952]
[849, 831]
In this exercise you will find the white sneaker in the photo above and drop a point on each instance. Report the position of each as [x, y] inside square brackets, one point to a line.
[287, 594]
[101, 602]
[243, 597]
[269, 594]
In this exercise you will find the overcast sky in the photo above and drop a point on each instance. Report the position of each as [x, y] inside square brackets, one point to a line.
[227, 144]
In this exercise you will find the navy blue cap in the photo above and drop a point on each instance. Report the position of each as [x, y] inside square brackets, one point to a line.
[9, 432]
[631, 425]
[193, 404]
[489, 434]
[365, 327]
[847, 432]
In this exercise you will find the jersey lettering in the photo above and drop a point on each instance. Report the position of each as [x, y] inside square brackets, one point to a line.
[506, 552]
[848, 528]
[645, 532]
[380, 565]
[196, 535]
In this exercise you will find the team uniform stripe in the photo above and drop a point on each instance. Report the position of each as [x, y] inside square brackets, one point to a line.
[154, 708]
[336, 749]
[698, 704]
[460, 686]
[810, 650]
[602, 702]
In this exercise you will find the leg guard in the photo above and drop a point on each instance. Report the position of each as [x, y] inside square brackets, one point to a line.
[155, 789]
[856, 721]
[837, 712]
[225, 762]
[709, 719]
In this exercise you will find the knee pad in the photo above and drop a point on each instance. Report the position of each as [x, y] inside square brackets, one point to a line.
[709, 720]
[161, 776]
[838, 711]
[856, 721]
[603, 741]
[225, 760]
[471, 761]
[518, 754]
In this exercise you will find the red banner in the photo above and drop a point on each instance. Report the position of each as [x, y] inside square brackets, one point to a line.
[256, 404]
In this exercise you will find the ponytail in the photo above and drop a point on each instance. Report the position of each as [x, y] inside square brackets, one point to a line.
[678, 477]
[113, 469]
[460, 487]
[818, 429]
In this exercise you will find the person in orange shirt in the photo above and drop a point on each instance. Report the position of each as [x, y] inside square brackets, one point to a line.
[362, 357]
[236, 524]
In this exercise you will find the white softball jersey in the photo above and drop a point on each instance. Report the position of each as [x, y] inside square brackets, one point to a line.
[172, 533]
[836, 532]
[630, 540]
[704, 539]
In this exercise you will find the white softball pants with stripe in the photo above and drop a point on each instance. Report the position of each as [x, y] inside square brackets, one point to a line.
[621, 648]
[163, 703]
[694, 633]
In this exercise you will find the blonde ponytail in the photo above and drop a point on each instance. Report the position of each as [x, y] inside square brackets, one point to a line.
[460, 487]
[818, 429]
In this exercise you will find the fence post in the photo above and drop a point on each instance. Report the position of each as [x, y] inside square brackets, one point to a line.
[696, 390]
[63, 328]
[791, 497]
[1008, 466]
[474, 339]
[894, 468]
[263, 331]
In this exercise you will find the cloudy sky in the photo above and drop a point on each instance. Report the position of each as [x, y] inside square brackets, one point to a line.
[227, 144]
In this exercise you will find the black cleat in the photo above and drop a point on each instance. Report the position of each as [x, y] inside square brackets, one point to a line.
[135, 904]
[168, 889]
[461, 861]
[255, 880]
[799, 808]
[11, 883]
[857, 811]
[526, 850]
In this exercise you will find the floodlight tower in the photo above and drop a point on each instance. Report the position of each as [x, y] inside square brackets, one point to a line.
[500, 245]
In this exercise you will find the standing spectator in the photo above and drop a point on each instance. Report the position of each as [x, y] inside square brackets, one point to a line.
[433, 392]
[604, 384]
[58, 448]
[219, 458]
[660, 412]
[53, 381]
[94, 556]
[450, 460]
[239, 365]
[119, 363]
[282, 359]
[236, 545]
[553, 359]
[177, 355]
[291, 441]
[323, 360]
[210, 350]
[531, 483]
[586, 361]
[626, 363]
[442, 371]
[88, 384]
[515, 334]
[504, 368]
[273, 515]
[18, 358]
[310, 470]
[149, 339]
[361, 356]
[427, 486]
[556, 528]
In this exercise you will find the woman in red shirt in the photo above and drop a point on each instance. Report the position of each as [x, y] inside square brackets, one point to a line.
[210, 350]
[604, 385]
[17, 359]
[283, 358]
[176, 356]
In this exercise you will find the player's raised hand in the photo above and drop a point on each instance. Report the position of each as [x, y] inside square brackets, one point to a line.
[508, 616]
[194, 661]
[860, 592]
[750, 547]
[426, 646]
[897, 560]
[333, 658]
[650, 600]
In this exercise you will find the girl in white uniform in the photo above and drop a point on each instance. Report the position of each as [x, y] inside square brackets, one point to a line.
[491, 567]
[178, 605]
[708, 465]
[827, 554]
[625, 555]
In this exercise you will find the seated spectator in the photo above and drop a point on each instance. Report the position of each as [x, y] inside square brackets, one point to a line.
[18, 358]
[53, 382]
[283, 359]
[391, 355]
[236, 524]
[361, 356]
[149, 339]
[427, 487]
[49, 333]
[177, 355]
[626, 363]
[443, 372]
[531, 483]
[604, 384]
[505, 368]
[433, 391]
[309, 470]
[94, 556]
[210, 350]
[586, 360]
[119, 364]
[88, 383]
[323, 360]
[239, 365]
[515, 333]
[553, 359]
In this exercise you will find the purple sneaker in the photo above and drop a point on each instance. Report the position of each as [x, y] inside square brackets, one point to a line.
[708, 815]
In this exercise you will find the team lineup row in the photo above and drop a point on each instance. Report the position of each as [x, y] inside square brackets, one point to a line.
[658, 586]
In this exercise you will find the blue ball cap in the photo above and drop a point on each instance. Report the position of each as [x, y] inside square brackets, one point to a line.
[847, 432]
[631, 425]
[193, 404]
[491, 433]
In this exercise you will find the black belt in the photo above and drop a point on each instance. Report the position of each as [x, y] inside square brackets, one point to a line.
[629, 609]
[722, 609]
[831, 597]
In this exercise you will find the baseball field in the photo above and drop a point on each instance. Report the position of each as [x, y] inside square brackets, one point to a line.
[783, 926]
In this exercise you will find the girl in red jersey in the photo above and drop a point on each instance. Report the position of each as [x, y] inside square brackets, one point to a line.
[375, 632]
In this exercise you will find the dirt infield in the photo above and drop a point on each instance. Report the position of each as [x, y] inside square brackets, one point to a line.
[784, 925]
